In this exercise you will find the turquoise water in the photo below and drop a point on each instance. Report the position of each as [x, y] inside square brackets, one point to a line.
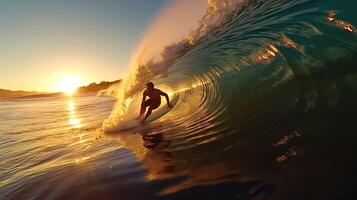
[268, 95]
[267, 110]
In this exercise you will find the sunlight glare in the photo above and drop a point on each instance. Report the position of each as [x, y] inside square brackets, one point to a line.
[68, 85]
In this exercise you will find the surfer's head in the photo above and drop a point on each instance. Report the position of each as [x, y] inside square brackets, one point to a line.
[149, 86]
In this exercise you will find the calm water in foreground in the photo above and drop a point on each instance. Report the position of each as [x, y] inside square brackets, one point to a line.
[54, 148]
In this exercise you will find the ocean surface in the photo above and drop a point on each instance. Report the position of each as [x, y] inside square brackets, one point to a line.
[267, 110]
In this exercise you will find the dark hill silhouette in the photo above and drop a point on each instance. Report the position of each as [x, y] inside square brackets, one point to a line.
[94, 87]
[91, 88]
[10, 93]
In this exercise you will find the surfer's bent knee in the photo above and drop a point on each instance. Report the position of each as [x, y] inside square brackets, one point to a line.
[153, 106]
[148, 103]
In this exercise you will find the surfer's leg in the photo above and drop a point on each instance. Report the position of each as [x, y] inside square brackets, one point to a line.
[152, 106]
[146, 104]
[148, 113]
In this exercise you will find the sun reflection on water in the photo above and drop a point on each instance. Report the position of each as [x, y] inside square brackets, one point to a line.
[82, 159]
[73, 119]
[331, 18]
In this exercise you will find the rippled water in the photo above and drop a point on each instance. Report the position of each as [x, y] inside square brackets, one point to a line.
[267, 110]
[269, 96]
[45, 139]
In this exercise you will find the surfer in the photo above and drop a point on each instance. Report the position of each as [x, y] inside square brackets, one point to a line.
[154, 100]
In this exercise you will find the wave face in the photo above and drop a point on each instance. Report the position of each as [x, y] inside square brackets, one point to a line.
[268, 61]
[276, 81]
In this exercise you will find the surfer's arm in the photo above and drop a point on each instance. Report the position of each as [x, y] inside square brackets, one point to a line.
[167, 98]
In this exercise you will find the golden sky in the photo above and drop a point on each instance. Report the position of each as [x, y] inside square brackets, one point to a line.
[42, 42]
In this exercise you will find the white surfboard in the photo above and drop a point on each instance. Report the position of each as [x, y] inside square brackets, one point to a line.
[156, 114]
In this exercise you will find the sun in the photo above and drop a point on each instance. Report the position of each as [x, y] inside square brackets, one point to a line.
[68, 85]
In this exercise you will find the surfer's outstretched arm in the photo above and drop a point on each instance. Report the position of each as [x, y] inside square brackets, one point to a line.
[167, 98]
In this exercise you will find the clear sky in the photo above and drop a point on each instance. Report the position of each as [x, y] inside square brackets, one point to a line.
[42, 41]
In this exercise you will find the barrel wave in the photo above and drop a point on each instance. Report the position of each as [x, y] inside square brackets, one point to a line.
[272, 87]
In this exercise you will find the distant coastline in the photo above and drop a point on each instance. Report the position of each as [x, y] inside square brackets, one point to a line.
[91, 88]
[13, 94]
